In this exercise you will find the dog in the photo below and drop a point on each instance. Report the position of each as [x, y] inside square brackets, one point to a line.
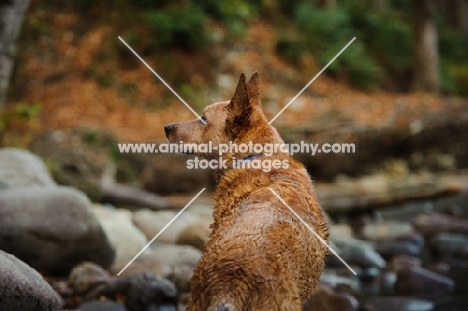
[259, 255]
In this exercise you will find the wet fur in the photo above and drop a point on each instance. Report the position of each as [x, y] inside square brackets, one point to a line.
[259, 256]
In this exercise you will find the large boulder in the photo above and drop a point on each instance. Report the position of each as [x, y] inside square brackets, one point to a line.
[23, 288]
[22, 168]
[52, 228]
[151, 223]
[125, 237]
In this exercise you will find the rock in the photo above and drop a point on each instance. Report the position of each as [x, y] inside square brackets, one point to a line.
[447, 244]
[397, 304]
[204, 211]
[439, 267]
[386, 230]
[78, 158]
[196, 234]
[359, 252]
[340, 231]
[341, 283]
[387, 282]
[142, 291]
[101, 306]
[86, 276]
[175, 255]
[403, 261]
[164, 259]
[124, 236]
[22, 168]
[431, 223]
[143, 263]
[52, 228]
[23, 288]
[462, 253]
[414, 281]
[151, 223]
[326, 299]
[394, 247]
[181, 277]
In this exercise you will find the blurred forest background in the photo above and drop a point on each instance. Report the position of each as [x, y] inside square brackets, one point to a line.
[398, 92]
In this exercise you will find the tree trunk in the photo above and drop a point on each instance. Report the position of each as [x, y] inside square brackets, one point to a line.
[11, 18]
[426, 56]
[327, 4]
[461, 15]
[381, 6]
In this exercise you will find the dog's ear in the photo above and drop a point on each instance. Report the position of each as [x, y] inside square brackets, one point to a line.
[239, 108]
[240, 99]
[253, 90]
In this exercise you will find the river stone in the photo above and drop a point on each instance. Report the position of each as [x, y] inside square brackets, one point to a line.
[358, 252]
[386, 230]
[326, 299]
[196, 234]
[23, 288]
[142, 291]
[124, 236]
[52, 229]
[86, 276]
[101, 306]
[430, 223]
[151, 223]
[447, 244]
[415, 281]
[22, 168]
[397, 304]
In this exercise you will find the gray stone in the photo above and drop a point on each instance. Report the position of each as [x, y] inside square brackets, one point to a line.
[143, 291]
[85, 276]
[175, 255]
[403, 261]
[22, 168]
[124, 236]
[101, 306]
[23, 288]
[447, 244]
[431, 223]
[394, 247]
[397, 304]
[359, 252]
[151, 223]
[52, 229]
[326, 299]
[386, 230]
[349, 285]
[414, 281]
[196, 234]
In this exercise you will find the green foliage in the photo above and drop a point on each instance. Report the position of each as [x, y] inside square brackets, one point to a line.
[178, 26]
[228, 10]
[24, 116]
[324, 34]
[453, 47]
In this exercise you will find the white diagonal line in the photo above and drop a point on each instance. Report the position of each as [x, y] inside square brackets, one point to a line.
[162, 230]
[162, 80]
[313, 79]
[313, 231]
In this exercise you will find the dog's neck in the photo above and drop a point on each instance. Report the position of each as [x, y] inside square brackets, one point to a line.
[252, 157]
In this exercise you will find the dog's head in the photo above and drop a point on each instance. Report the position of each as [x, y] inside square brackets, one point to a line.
[240, 120]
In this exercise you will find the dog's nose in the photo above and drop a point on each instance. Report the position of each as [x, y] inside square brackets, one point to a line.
[168, 128]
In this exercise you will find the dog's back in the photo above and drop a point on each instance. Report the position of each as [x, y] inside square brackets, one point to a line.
[259, 256]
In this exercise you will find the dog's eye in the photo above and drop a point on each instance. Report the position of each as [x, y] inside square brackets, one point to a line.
[203, 117]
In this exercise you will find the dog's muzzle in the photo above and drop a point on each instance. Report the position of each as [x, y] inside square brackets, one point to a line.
[168, 129]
